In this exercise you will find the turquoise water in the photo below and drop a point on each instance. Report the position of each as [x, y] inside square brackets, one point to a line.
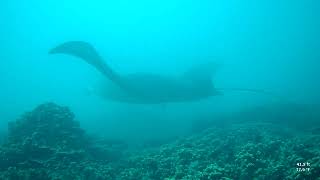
[269, 45]
[272, 45]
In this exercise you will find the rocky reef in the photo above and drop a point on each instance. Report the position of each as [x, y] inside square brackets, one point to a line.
[242, 151]
[48, 143]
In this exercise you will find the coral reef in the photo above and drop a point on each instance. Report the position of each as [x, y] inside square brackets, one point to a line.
[47, 143]
[242, 152]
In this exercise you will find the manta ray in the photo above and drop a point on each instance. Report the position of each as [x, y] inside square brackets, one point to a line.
[147, 88]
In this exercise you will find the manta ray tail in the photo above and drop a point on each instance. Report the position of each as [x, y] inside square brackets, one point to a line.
[87, 52]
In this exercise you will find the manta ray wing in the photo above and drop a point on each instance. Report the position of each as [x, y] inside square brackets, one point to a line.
[88, 53]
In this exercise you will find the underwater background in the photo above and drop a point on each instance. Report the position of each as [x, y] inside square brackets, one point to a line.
[270, 45]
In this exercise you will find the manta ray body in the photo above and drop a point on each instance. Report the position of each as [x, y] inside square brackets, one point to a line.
[144, 88]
